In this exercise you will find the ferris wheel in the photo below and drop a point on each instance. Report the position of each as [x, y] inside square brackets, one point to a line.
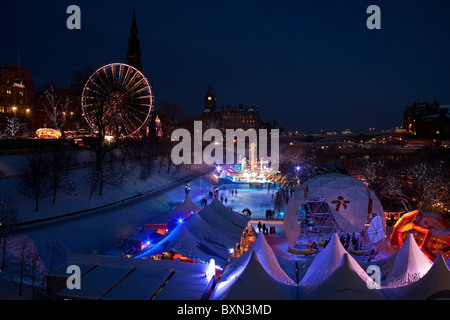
[118, 98]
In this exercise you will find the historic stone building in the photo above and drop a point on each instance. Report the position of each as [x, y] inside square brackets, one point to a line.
[427, 120]
[229, 117]
[16, 95]
[16, 90]
[134, 54]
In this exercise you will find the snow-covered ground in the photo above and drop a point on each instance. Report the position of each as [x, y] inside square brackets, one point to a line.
[100, 229]
[79, 200]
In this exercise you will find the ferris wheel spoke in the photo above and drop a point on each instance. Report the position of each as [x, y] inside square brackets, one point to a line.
[109, 80]
[96, 93]
[104, 87]
[127, 75]
[139, 120]
[137, 110]
[113, 74]
[117, 98]
[143, 89]
[136, 85]
[142, 107]
[121, 72]
[130, 82]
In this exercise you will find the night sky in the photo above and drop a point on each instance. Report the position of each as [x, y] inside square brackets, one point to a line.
[310, 65]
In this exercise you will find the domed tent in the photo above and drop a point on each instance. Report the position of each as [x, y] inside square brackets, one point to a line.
[333, 203]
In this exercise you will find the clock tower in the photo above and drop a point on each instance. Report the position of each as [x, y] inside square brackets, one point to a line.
[210, 99]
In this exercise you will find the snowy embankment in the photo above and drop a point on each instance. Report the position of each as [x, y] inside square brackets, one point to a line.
[79, 200]
[95, 229]
[103, 219]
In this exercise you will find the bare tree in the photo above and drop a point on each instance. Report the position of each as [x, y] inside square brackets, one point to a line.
[54, 250]
[35, 177]
[61, 180]
[33, 271]
[381, 177]
[21, 264]
[28, 265]
[14, 127]
[430, 184]
[55, 105]
[105, 124]
[394, 190]
[93, 180]
[8, 218]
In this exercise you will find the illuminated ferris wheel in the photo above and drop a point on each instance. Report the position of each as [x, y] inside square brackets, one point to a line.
[118, 98]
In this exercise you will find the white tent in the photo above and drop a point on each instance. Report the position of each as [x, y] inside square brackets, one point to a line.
[344, 283]
[349, 200]
[410, 264]
[291, 225]
[211, 235]
[182, 241]
[268, 260]
[435, 284]
[185, 208]
[224, 219]
[325, 263]
[376, 231]
[248, 280]
[233, 217]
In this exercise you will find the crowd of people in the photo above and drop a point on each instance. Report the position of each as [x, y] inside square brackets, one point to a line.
[348, 240]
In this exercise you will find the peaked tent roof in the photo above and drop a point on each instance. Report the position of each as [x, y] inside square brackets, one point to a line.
[224, 219]
[435, 284]
[250, 281]
[344, 283]
[268, 260]
[185, 208]
[233, 217]
[182, 241]
[410, 264]
[210, 235]
[327, 261]
[290, 267]
[182, 210]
